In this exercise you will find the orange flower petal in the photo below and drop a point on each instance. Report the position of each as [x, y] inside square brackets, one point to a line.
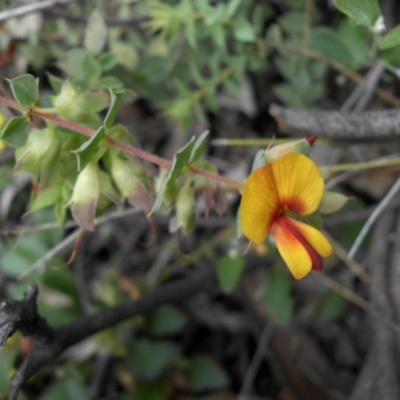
[313, 236]
[300, 245]
[259, 204]
[299, 184]
[293, 252]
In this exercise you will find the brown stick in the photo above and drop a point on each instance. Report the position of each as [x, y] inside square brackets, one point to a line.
[359, 126]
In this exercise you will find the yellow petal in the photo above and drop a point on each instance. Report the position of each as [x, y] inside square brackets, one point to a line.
[293, 252]
[299, 184]
[313, 236]
[259, 204]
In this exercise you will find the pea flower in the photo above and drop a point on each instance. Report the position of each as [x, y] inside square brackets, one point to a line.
[276, 193]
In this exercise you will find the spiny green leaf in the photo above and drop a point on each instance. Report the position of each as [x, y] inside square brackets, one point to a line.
[25, 89]
[199, 147]
[181, 159]
[16, 131]
[116, 98]
[88, 149]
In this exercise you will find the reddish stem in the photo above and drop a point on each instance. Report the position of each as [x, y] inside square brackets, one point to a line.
[162, 162]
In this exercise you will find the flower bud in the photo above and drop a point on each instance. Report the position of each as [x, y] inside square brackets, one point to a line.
[299, 146]
[129, 184]
[332, 202]
[75, 106]
[85, 196]
[220, 201]
[185, 209]
[41, 148]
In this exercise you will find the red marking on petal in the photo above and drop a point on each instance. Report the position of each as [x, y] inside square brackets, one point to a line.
[295, 205]
[311, 139]
[315, 257]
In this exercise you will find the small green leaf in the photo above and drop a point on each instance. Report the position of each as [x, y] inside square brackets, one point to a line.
[181, 159]
[363, 12]
[160, 193]
[55, 82]
[329, 43]
[88, 149]
[330, 306]
[191, 32]
[109, 82]
[96, 33]
[148, 358]
[232, 7]
[47, 197]
[107, 61]
[276, 295]
[244, 32]
[166, 320]
[16, 131]
[153, 390]
[229, 272]
[205, 374]
[391, 39]
[199, 147]
[25, 89]
[116, 98]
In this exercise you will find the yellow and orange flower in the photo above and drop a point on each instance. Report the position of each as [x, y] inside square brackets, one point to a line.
[273, 194]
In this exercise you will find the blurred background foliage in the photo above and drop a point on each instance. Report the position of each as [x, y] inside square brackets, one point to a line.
[185, 66]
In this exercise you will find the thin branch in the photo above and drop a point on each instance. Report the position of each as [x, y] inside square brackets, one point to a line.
[373, 217]
[67, 241]
[368, 125]
[31, 8]
[354, 266]
[61, 246]
[256, 361]
[144, 155]
[71, 224]
[132, 20]
[343, 290]
[49, 343]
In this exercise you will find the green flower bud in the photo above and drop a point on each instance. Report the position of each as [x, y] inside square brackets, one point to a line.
[299, 146]
[75, 106]
[185, 209]
[42, 147]
[85, 196]
[170, 192]
[129, 183]
[332, 202]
